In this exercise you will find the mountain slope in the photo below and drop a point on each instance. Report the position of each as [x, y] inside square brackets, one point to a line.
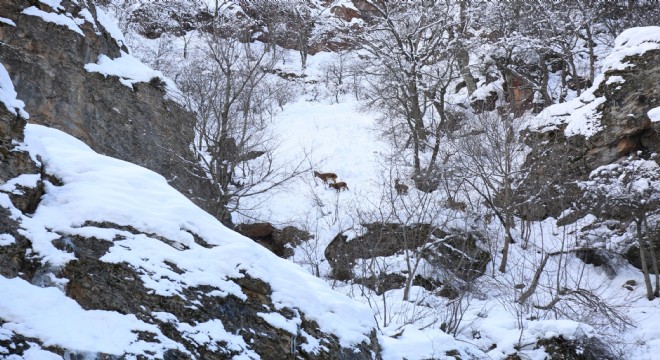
[109, 260]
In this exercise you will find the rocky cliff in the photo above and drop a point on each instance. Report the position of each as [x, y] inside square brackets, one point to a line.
[48, 47]
[610, 121]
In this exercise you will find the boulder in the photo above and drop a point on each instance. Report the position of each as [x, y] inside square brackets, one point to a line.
[454, 251]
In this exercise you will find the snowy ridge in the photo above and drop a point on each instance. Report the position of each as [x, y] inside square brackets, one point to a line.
[97, 188]
[580, 115]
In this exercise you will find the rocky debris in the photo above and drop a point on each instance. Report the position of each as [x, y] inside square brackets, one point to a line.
[580, 348]
[453, 251]
[140, 124]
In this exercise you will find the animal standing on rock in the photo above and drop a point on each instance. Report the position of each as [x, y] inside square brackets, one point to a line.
[338, 186]
[401, 189]
[325, 177]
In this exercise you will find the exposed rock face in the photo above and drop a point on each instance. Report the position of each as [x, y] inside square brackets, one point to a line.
[280, 242]
[453, 251]
[46, 63]
[557, 161]
[581, 348]
[12, 164]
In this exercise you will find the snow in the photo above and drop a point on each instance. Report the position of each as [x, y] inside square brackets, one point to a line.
[7, 21]
[59, 19]
[580, 115]
[129, 69]
[39, 314]
[6, 239]
[25, 180]
[8, 95]
[343, 140]
[412, 343]
[97, 188]
[110, 24]
[654, 114]
[277, 320]
[54, 4]
[87, 15]
[209, 333]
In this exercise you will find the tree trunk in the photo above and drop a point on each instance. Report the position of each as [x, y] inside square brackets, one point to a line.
[642, 256]
[654, 261]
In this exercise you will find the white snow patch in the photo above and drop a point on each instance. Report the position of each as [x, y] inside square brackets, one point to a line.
[654, 114]
[7, 21]
[279, 321]
[47, 314]
[87, 16]
[54, 4]
[97, 188]
[8, 95]
[614, 80]
[210, 333]
[110, 24]
[6, 239]
[24, 180]
[59, 19]
[580, 115]
[129, 69]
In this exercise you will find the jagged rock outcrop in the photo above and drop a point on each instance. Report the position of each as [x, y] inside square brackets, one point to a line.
[141, 124]
[610, 121]
[279, 241]
[451, 251]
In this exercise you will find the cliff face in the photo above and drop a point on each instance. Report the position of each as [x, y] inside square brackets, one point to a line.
[45, 51]
[608, 122]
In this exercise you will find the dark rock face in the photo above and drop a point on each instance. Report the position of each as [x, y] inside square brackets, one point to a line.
[557, 161]
[12, 164]
[582, 348]
[46, 63]
[453, 251]
[279, 241]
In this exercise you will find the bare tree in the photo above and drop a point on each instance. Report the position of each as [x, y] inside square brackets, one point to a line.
[629, 191]
[490, 163]
[229, 88]
[410, 64]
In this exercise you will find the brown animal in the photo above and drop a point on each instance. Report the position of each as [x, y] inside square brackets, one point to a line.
[256, 231]
[456, 205]
[401, 189]
[326, 176]
[338, 186]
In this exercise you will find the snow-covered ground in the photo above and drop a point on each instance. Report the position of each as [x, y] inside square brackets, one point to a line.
[339, 138]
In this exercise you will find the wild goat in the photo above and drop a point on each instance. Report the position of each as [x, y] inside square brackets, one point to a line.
[456, 205]
[326, 176]
[338, 186]
[401, 189]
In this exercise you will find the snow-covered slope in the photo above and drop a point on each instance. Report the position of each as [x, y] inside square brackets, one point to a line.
[172, 246]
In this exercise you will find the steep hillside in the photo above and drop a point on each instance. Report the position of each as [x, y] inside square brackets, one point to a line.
[110, 261]
[68, 62]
